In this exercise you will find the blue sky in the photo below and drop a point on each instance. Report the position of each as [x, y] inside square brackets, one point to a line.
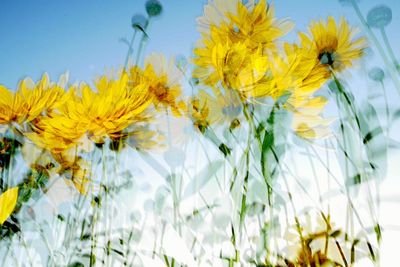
[82, 37]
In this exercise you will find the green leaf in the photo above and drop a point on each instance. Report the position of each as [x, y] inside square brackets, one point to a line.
[371, 134]
[378, 232]
[267, 148]
[201, 179]
[355, 180]
[224, 149]
[396, 115]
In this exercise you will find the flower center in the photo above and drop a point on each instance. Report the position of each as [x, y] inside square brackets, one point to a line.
[160, 91]
[326, 58]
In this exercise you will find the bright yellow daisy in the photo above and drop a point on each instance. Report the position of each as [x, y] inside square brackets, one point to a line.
[256, 23]
[306, 70]
[253, 22]
[57, 133]
[232, 66]
[29, 101]
[106, 112]
[109, 110]
[335, 45]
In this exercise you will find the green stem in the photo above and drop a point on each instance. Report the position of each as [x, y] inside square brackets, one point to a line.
[142, 43]
[389, 47]
[386, 108]
[128, 54]
[347, 99]
[247, 174]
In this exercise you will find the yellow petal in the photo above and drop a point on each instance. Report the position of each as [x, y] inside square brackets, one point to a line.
[8, 200]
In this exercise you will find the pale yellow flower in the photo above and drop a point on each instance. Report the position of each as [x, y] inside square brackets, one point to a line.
[163, 80]
[217, 108]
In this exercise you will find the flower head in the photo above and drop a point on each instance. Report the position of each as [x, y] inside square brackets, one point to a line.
[237, 43]
[57, 133]
[111, 109]
[153, 8]
[376, 74]
[29, 101]
[334, 45]
[379, 17]
[139, 21]
[162, 80]
[253, 23]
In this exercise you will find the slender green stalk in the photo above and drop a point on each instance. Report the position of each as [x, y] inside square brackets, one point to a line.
[143, 42]
[130, 49]
[97, 205]
[247, 170]
[387, 112]
[389, 48]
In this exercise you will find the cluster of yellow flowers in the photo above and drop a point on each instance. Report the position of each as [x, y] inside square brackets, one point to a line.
[65, 120]
[241, 58]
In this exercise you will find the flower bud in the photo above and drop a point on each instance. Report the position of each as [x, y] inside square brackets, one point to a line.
[139, 22]
[153, 8]
[376, 74]
[379, 17]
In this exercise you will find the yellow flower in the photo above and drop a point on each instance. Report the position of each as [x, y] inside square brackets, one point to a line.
[111, 109]
[318, 242]
[307, 121]
[143, 138]
[162, 79]
[306, 70]
[233, 66]
[199, 113]
[253, 22]
[215, 12]
[334, 45]
[8, 200]
[107, 112]
[237, 43]
[29, 101]
[79, 173]
[57, 133]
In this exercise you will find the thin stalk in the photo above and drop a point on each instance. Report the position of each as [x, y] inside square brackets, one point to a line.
[96, 212]
[347, 99]
[353, 110]
[247, 162]
[175, 197]
[130, 50]
[386, 108]
[389, 47]
[142, 43]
